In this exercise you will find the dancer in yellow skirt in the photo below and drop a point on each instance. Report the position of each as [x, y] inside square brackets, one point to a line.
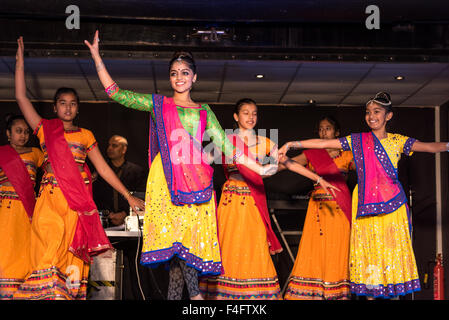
[382, 262]
[15, 219]
[66, 231]
[321, 270]
[180, 218]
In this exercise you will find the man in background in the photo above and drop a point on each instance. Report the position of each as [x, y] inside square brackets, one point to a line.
[130, 174]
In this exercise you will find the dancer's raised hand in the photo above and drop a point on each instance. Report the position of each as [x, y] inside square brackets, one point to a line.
[94, 46]
[20, 49]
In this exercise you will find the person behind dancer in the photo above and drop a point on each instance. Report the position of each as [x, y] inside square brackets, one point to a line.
[244, 228]
[18, 168]
[180, 220]
[66, 229]
[321, 267]
[116, 208]
[381, 262]
[130, 174]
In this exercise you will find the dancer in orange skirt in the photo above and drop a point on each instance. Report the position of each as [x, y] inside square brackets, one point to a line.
[66, 231]
[245, 234]
[18, 166]
[321, 271]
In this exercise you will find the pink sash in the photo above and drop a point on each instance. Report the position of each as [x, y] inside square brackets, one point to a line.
[188, 176]
[257, 188]
[326, 167]
[18, 175]
[379, 189]
[90, 238]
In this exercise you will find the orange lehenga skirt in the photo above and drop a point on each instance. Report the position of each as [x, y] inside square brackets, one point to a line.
[15, 228]
[55, 274]
[321, 267]
[249, 272]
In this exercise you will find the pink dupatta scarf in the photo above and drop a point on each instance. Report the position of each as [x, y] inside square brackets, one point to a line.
[90, 238]
[326, 167]
[379, 189]
[188, 176]
[18, 175]
[257, 188]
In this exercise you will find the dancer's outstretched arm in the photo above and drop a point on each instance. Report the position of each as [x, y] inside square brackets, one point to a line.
[300, 169]
[310, 144]
[25, 105]
[432, 147]
[111, 178]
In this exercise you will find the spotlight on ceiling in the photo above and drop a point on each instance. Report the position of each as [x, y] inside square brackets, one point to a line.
[311, 102]
[399, 78]
[260, 76]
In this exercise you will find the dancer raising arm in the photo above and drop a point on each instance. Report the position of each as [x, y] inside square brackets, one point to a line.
[180, 181]
[382, 261]
[66, 229]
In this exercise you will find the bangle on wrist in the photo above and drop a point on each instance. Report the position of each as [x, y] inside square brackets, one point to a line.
[296, 145]
[318, 181]
[113, 88]
[127, 195]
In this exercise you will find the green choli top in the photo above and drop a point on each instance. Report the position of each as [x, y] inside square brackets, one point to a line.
[189, 117]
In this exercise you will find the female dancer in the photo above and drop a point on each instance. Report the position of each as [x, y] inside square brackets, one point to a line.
[66, 230]
[180, 220]
[321, 271]
[381, 261]
[18, 167]
[245, 234]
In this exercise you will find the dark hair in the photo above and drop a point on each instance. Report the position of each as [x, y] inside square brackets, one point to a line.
[11, 118]
[64, 90]
[383, 99]
[332, 121]
[184, 56]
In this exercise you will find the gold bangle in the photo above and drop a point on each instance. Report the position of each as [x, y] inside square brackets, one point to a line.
[127, 195]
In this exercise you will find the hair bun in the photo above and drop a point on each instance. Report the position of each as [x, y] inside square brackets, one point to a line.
[182, 54]
[382, 95]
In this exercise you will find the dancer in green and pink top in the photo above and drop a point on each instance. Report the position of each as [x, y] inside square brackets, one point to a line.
[180, 220]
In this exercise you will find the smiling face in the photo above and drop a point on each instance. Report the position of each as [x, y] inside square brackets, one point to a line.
[181, 77]
[326, 130]
[247, 117]
[376, 116]
[66, 107]
[19, 134]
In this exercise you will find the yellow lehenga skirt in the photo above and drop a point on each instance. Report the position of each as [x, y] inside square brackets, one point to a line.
[56, 274]
[188, 231]
[249, 272]
[15, 228]
[321, 271]
[382, 262]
